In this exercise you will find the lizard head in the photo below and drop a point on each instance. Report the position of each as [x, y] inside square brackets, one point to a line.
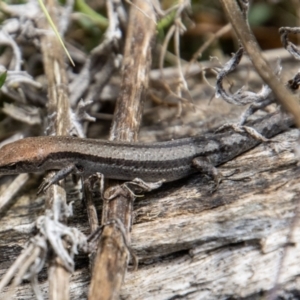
[21, 156]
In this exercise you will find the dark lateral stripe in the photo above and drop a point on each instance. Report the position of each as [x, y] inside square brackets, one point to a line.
[172, 163]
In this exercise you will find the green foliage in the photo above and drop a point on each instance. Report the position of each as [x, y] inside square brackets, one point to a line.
[166, 21]
[97, 18]
[260, 13]
[2, 78]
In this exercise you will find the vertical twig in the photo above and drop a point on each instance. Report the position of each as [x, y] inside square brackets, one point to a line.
[59, 124]
[112, 256]
[242, 30]
[90, 207]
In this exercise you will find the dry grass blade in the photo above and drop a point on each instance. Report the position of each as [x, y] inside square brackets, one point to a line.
[49, 19]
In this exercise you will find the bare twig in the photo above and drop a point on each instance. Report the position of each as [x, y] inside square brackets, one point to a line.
[12, 189]
[176, 29]
[15, 266]
[249, 42]
[112, 257]
[211, 39]
[60, 124]
[91, 209]
[101, 63]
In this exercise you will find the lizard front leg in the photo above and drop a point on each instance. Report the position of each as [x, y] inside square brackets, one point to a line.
[61, 174]
[204, 166]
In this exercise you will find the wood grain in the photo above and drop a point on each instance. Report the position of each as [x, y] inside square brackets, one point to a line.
[191, 243]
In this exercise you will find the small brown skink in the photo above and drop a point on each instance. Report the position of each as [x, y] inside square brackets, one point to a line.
[165, 161]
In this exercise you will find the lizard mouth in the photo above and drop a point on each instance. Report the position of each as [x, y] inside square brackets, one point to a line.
[9, 168]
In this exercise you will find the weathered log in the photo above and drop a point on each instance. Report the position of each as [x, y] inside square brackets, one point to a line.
[193, 243]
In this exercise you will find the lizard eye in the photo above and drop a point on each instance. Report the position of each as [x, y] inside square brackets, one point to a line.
[40, 164]
[80, 168]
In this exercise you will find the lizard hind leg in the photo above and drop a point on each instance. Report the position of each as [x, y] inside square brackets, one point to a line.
[204, 166]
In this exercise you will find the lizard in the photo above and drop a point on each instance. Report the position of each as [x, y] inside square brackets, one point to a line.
[137, 162]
